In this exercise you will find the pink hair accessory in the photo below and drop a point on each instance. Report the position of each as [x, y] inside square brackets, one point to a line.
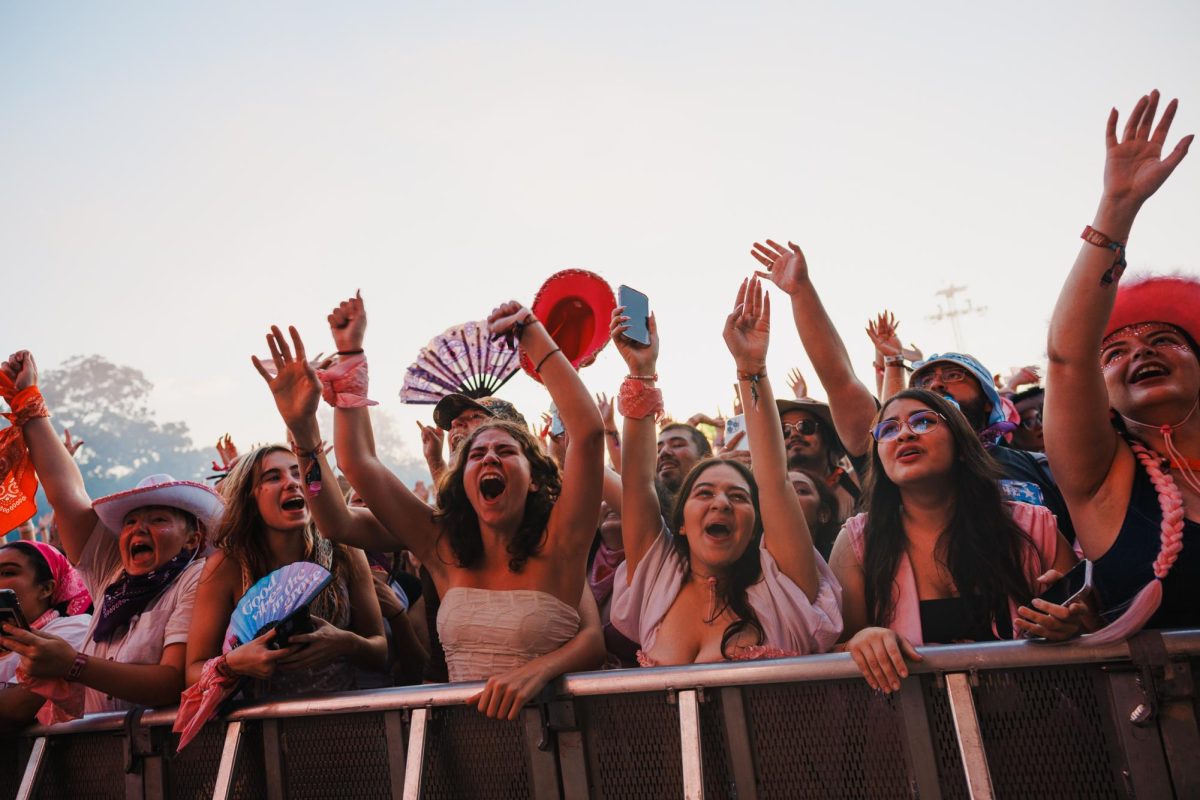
[1147, 601]
[344, 385]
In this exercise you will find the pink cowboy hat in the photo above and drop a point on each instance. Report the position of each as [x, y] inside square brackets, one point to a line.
[162, 490]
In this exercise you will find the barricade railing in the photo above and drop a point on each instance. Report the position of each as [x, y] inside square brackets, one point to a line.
[1010, 719]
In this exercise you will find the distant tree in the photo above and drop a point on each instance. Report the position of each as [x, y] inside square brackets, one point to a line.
[108, 406]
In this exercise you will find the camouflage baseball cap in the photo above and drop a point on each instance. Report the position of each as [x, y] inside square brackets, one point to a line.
[452, 405]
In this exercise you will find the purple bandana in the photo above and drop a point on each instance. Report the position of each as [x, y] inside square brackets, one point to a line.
[128, 595]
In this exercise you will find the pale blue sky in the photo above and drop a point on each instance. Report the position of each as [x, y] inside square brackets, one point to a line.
[176, 176]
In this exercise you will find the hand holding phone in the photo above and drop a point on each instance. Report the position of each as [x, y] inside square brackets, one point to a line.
[637, 308]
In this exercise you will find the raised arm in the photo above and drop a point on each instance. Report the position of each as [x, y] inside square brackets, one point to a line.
[573, 521]
[56, 469]
[297, 393]
[641, 516]
[785, 532]
[889, 353]
[850, 401]
[1080, 442]
[408, 521]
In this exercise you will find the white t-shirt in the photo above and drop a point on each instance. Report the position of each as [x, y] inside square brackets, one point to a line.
[73, 629]
[164, 622]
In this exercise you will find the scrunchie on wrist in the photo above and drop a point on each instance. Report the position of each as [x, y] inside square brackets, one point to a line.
[636, 400]
[344, 385]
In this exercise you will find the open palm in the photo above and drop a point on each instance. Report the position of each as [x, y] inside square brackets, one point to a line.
[295, 386]
[1134, 167]
[748, 328]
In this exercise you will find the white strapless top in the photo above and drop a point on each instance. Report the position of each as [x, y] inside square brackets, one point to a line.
[486, 632]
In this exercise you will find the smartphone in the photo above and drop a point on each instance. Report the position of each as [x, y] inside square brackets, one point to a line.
[1071, 587]
[556, 424]
[299, 621]
[10, 610]
[733, 426]
[637, 308]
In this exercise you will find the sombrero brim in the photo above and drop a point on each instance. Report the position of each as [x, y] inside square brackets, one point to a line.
[194, 498]
[575, 306]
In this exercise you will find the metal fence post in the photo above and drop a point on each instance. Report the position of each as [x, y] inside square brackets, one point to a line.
[689, 745]
[33, 769]
[223, 789]
[414, 764]
[970, 738]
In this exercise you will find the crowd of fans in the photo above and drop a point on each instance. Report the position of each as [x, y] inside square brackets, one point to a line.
[933, 507]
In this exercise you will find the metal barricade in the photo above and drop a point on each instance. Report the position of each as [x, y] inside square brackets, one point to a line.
[995, 720]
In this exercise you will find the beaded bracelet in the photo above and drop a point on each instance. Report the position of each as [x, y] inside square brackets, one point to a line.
[754, 378]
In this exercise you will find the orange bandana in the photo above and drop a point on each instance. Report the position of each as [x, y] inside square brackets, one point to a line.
[18, 482]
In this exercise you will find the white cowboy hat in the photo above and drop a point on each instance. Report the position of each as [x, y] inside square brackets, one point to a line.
[162, 490]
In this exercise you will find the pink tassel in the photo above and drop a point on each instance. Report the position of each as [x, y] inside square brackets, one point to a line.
[1147, 601]
[1139, 612]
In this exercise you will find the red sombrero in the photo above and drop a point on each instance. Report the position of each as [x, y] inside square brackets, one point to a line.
[575, 306]
[1174, 299]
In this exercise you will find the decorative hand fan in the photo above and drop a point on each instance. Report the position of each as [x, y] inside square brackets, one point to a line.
[463, 359]
[273, 599]
[279, 598]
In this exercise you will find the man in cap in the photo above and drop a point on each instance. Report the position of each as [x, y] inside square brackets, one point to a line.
[813, 444]
[459, 415]
[1026, 476]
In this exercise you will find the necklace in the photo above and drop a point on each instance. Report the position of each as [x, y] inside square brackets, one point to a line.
[1186, 466]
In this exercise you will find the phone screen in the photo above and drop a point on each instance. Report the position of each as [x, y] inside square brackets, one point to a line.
[10, 610]
[1070, 585]
[637, 308]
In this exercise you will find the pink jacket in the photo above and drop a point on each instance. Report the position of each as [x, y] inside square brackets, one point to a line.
[1037, 521]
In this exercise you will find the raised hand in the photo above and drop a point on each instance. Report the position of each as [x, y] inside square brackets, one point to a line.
[421, 491]
[642, 359]
[432, 438]
[1024, 376]
[606, 407]
[72, 444]
[348, 324]
[882, 332]
[21, 369]
[798, 385]
[295, 386]
[1134, 167]
[786, 267]
[505, 317]
[227, 451]
[748, 328]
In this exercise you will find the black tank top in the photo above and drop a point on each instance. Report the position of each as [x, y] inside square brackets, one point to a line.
[1128, 565]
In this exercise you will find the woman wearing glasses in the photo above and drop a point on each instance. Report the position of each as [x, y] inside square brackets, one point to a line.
[939, 556]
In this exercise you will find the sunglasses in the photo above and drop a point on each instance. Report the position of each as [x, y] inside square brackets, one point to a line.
[805, 427]
[948, 375]
[918, 422]
[1033, 421]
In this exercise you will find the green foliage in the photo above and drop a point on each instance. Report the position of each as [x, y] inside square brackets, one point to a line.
[107, 405]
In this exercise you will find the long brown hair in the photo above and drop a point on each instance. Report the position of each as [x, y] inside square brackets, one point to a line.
[241, 533]
[460, 523]
[982, 548]
[745, 572]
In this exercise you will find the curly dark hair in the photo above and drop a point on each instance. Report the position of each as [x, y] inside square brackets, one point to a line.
[460, 523]
[982, 548]
[745, 572]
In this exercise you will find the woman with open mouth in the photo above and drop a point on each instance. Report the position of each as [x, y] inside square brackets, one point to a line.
[140, 553]
[733, 574]
[939, 557]
[508, 541]
[274, 518]
[1123, 431]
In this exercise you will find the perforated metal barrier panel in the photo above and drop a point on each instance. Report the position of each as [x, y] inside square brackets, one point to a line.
[1054, 731]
